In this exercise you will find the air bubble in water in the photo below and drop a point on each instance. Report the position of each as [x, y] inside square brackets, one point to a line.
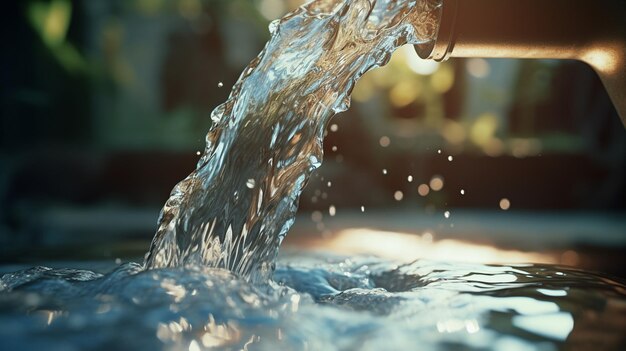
[332, 210]
[220, 84]
[446, 214]
[250, 183]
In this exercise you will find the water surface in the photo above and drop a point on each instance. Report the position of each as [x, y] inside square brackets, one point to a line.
[316, 302]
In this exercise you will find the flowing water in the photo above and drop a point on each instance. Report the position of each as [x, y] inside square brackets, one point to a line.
[236, 208]
[209, 279]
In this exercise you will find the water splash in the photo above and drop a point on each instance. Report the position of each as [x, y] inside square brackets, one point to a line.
[324, 303]
[234, 210]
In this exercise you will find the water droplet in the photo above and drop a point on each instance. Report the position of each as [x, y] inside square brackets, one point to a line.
[436, 183]
[334, 127]
[250, 183]
[398, 195]
[505, 204]
[409, 179]
[439, 151]
[450, 158]
[332, 210]
[334, 148]
[329, 184]
[446, 214]
[423, 189]
[384, 170]
[220, 84]
[462, 191]
[384, 141]
[198, 153]
[362, 208]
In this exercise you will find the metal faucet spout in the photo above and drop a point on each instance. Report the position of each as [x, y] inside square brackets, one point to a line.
[592, 31]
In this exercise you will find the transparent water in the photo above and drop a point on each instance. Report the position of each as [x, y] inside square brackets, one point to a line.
[236, 208]
[316, 302]
[206, 283]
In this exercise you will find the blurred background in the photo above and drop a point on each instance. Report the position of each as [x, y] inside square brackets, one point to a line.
[105, 104]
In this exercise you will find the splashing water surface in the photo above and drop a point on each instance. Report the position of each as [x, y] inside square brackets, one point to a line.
[322, 303]
[234, 210]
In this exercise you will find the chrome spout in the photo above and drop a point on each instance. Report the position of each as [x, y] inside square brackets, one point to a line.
[592, 31]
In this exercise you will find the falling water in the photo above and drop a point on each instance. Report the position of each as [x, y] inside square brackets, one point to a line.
[234, 210]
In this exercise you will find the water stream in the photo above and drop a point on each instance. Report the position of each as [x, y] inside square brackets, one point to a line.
[212, 279]
[235, 209]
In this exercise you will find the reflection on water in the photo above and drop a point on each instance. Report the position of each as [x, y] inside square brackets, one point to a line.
[409, 247]
[315, 302]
